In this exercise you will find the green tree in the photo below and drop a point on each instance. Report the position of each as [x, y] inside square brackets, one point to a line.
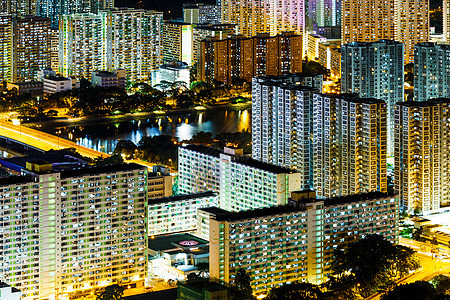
[374, 262]
[442, 284]
[125, 147]
[110, 160]
[242, 283]
[419, 290]
[296, 291]
[112, 292]
[342, 287]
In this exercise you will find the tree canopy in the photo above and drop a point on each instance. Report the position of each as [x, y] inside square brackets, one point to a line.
[112, 292]
[373, 263]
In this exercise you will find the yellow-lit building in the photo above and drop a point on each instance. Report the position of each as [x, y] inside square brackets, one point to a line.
[422, 147]
[401, 20]
[24, 47]
[177, 41]
[330, 56]
[349, 145]
[6, 34]
[313, 46]
[31, 47]
[282, 244]
[241, 57]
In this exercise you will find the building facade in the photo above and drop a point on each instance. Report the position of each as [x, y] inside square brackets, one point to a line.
[400, 20]
[128, 39]
[136, 44]
[241, 182]
[177, 41]
[283, 244]
[22, 38]
[431, 71]
[69, 239]
[177, 214]
[54, 8]
[422, 154]
[241, 57]
[282, 122]
[349, 145]
[375, 70]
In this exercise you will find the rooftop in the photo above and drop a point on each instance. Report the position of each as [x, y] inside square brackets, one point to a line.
[430, 102]
[214, 210]
[166, 242]
[14, 180]
[182, 197]
[100, 170]
[283, 209]
[244, 160]
[205, 285]
[56, 78]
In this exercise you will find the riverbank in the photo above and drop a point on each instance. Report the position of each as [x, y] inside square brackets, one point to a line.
[89, 120]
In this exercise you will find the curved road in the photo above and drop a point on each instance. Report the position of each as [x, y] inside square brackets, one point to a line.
[42, 140]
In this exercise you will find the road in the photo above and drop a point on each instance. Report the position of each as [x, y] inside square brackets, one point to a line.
[431, 266]
[42, 140]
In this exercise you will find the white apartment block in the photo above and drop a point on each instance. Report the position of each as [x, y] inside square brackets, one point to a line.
[431, 71]
[73, 231]
[241, 182]
[177, 214]
[282, 122]
[56, 84]
[422, 154]
[295, 242]
[375, 70]
[349, 145]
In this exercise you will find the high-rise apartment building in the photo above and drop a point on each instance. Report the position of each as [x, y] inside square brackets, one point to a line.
[128, 39]
[283, 244]
[273, 17]
[282, 122]
[349, 145]
[431, 71]
[201, 32]
[136, 44]
[83, 45]
[375, 70]
[413, 25]
[18, 7]
[241, 182]
[177, 214]
[422, 160]
[446, 19]
[6, 40]
[25, 47]
[198, 13]
[177, 40]
[400, 20]
[241, 57]
[31, 47]
[73, 231]
[54, 8]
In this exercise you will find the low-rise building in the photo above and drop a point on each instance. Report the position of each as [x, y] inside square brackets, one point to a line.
[109, 79]
[294, 242]
[173, 257]
[56, 84]
[30, 87]
[177, 214]
[170, 73]
[205, 289]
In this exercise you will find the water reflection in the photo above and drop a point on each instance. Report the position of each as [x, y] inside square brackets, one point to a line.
[103, 135]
